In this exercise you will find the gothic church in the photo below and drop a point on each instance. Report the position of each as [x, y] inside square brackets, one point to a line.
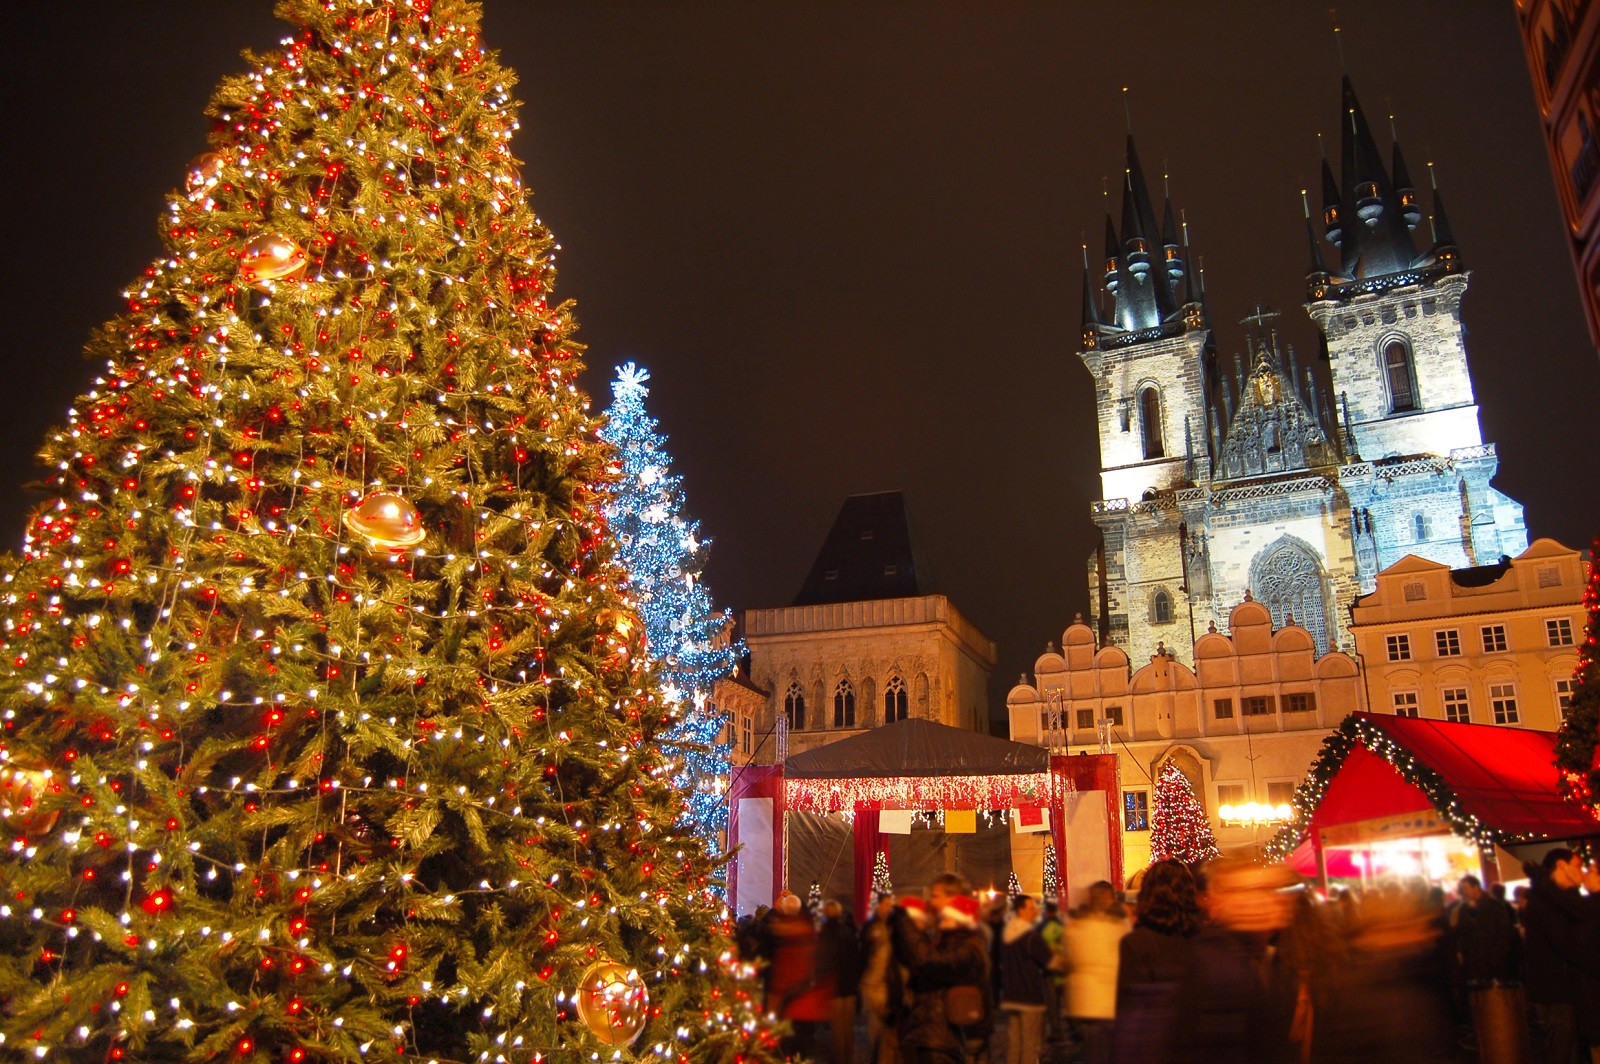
[1225, 480]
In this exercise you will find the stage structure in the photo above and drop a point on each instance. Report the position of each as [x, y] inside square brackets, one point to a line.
[880, 777]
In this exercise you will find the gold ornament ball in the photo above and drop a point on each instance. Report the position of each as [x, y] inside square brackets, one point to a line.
[613, 1003]
[273, 257]
[203, 173]
[386, 520]
[20, 789]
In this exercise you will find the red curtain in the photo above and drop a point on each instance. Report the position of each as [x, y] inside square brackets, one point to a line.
[868, 843]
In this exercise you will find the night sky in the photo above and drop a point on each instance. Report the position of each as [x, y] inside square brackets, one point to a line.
[845, 238]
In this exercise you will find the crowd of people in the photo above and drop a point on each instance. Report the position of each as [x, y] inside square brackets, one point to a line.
[1234, 961]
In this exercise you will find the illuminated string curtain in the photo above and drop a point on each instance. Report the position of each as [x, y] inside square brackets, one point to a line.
[928, 792]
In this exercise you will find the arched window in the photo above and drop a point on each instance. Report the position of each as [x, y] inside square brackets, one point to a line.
[895, 701]
[1397, 374]
[1420, 526]
[794, 707]
[1150, 422]
[1286, 579]
[1161, 608]
[844, 705]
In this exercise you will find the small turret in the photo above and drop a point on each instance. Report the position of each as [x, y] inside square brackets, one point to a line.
[1113, 257]
[1332, 207]
[1316, 269]
[1405, 191]
[1170, 247]
[1135, 243]
[1091, 316]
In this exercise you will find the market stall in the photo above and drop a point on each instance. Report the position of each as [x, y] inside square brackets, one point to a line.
[1405, 796]
[879, 779]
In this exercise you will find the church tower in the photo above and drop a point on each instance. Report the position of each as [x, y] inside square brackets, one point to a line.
[1419, 470]
[1146, 342]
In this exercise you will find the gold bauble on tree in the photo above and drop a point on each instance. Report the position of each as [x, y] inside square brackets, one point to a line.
[613, 1003]
[272, 257]
[20, 789]
[386, 520]
[203, 173]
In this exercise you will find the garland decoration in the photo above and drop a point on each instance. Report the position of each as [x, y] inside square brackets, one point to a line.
[1577, 757]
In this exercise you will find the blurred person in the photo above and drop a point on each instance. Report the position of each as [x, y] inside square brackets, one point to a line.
[1090, 947]
[793, 991]
[839, 967]
[1153, 965]
[1387, 998]
[880, 986]
[1561, 958]
[1052, 930]
[1485, 941]
[993, 926]
[1241, 998]
[1024, 998]
[948, 981]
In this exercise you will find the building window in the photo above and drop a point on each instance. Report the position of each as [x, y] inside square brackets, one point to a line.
[1161, 608]
[1399, 647]
[1494, 638]
[1257, 705]
[1086, 719]
[1299, 702]
[1448, 642]
[1421, 528]
[1405, 704]
[1559, 632]
[895, 700]
[1287, 579]
[1397, 373]
[1135, 810]
[1503, 700]
[844, 705]
[1279, 792]
[1564, 690]
[1230, 794]
[1456, 708]
[1114, 715]
[794, 708]
[1150, 422]
[1416, 590]
[747, 735]
[1223, 708]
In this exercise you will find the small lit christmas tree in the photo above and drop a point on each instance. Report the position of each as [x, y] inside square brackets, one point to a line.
[665, 556]
[1179, 828]
[1013, 886]
[1578, 741]
[881, 883]
[329, 735]
[1052, 871]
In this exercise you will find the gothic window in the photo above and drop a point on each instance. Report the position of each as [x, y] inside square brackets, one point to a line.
[1287, 580]
[1161, 608]
[1398, 375]
[794, 707]
[844, 705]
[1150, 422]
[1421, 527]
[895, 700]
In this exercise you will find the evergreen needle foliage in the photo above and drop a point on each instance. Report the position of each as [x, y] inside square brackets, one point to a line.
[664, 555]
[1580, 730]
[279, 792]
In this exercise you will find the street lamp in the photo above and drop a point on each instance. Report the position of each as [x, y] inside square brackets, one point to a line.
[1253, 814]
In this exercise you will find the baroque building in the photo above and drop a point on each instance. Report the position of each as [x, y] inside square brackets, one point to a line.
[866, 642]
[1258, 475]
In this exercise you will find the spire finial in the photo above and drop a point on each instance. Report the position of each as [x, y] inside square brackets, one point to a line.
[1085, 254]
[1322, 147]
[1338, 39]
[1394, 133]
[1183, 216]
[1305, 204]
[1433, 180]
[1127, 110]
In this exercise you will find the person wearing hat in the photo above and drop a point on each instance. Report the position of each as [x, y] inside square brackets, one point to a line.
[952, 1010]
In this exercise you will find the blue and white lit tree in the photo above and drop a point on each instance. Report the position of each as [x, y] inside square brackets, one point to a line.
[665, 556]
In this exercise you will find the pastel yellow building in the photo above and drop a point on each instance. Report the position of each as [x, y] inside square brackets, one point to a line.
[1493, 644]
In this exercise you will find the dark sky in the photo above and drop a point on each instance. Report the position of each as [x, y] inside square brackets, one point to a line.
[845, 237]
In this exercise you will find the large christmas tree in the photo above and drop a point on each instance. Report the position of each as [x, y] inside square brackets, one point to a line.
[665, 557]
[327, 730]
[1179, 828]
[1576, 742]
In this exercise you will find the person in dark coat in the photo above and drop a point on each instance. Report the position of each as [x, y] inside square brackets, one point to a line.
[1154, 962]
[957, 957]
[1024, 994]
[1485, 938]
[1561, 959]
[839, 962]
[1240, 998]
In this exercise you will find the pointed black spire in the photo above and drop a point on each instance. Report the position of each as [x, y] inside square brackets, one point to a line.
[1091, 315]
[1113, 257]
[1317, 268]
[1442, 236]
[1332, 207]
[1376, 240]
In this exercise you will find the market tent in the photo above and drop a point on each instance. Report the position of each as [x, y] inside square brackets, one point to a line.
[1495, 786]
[917, 748]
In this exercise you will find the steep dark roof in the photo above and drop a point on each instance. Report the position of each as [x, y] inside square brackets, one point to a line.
[916, 747]
[869, 554]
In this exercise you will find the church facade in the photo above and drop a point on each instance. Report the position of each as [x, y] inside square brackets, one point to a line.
[1260, 475]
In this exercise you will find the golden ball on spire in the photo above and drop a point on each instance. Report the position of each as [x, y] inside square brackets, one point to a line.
[386, 521]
